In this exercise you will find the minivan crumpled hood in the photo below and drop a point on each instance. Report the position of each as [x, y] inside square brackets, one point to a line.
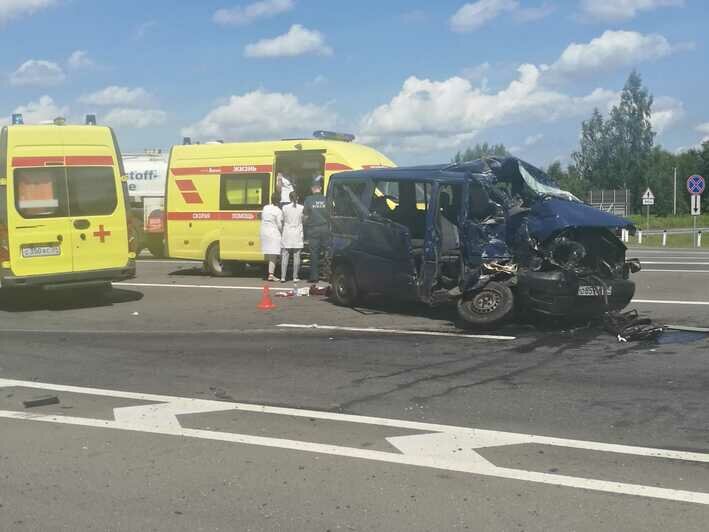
[551, 215]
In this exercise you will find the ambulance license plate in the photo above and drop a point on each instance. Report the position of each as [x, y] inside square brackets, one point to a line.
[595, 291]
[29, 252]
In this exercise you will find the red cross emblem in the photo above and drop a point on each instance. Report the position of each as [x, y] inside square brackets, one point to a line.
[102, 233]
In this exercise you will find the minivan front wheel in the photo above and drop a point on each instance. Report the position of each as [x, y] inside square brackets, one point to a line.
[488, 306]
[344, 286]
[213, 263]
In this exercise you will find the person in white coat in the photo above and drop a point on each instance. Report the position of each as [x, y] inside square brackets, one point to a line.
[292, 241]
[271, 234]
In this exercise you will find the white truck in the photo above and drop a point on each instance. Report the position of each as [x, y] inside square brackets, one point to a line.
[146, 187]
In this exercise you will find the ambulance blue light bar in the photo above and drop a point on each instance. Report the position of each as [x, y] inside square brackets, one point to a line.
[17, 119]
[331, 135]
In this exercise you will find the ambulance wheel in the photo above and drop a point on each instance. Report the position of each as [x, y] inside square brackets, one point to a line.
[344, 286]
[214, 265]
[488, 306]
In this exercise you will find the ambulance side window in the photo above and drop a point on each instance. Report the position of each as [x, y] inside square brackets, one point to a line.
[244, 192]
[92, 191]
[40, 192]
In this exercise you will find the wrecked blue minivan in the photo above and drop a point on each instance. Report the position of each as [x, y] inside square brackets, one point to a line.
[492, 236]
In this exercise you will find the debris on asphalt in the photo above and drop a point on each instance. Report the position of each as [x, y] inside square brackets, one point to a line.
[630, 327]
[136, 314]
[316, 290]
[43, 400]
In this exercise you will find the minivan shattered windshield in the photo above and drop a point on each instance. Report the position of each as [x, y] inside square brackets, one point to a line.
[543, 185]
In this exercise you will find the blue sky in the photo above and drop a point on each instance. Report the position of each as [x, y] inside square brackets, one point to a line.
[417, 79]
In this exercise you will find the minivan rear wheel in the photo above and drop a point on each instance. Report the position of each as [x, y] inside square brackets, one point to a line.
[344, 286]
[488, 306]
[213, 263]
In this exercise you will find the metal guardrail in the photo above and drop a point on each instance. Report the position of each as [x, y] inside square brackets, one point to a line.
[665, 234]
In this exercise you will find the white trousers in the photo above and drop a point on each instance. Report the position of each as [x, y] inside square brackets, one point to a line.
[285, 257]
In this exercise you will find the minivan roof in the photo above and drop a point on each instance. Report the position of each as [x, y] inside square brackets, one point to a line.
[438, 172]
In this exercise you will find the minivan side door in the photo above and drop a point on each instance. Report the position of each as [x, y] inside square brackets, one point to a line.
[387, 261]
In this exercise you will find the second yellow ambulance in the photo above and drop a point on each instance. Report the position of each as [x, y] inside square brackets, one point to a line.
[215, 192]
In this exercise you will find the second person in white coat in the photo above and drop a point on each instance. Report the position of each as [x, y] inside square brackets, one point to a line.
[292, 236]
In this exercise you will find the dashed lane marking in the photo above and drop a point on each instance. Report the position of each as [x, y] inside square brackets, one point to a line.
[442, 447]
[394, 331]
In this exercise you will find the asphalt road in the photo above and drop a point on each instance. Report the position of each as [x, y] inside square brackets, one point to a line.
[183, 407]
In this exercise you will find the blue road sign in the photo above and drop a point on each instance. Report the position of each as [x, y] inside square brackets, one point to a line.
[695, 184]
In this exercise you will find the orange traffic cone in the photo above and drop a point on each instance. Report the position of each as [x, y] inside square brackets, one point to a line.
[266, 302]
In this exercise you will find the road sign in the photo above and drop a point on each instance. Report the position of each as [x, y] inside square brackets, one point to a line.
[696, 209]
[695, 184]
[648, 198]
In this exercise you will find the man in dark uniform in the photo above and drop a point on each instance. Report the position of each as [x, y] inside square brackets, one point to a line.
[315, 225]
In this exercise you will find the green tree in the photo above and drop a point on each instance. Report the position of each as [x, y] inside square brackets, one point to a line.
[569, 179]
[481, 150]
[592, 160]
[615, 152]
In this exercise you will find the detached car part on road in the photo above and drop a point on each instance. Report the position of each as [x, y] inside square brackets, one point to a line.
[492, 235]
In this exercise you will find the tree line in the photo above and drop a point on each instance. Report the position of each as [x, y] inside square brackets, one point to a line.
[619, 152]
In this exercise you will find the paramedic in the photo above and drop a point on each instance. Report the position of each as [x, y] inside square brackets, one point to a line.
[285, 186]
[292, 236]
[271, 224]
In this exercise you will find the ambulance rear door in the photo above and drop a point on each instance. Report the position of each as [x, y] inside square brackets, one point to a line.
[39, 230]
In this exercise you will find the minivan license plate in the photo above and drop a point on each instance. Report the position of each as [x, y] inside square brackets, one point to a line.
[41, 251]
[595, 291]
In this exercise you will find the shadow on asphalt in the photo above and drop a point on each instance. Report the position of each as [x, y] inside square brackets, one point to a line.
[30, 300]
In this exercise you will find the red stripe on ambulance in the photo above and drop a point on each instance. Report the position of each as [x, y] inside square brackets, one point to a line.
[218, 215]
[59, 160]
[336, 167]
[218, 170]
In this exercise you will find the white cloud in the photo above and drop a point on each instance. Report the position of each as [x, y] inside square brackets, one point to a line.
[37, 73]
[703, 128]
[474, 15]
[666, 113]
[43, 110]
[298, 41]
[135, 118]
[117, 96]
[617, 10]
[10, 9]
[261, 114]
[241, 15]
[531, 14]
[454, 107]
[611, 50]
[80, 59]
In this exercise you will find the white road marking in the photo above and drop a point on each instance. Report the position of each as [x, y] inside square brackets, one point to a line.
[674, 271]
[663, 263]
[165, 285]
[393, 331]
[438, 448]
[669, 302]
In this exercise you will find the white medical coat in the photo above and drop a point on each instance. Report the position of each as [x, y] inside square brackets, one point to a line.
[292, 226]
[271, 224]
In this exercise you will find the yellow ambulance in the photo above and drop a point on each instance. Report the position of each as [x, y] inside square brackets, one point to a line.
[62, 207]
[215, 191]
